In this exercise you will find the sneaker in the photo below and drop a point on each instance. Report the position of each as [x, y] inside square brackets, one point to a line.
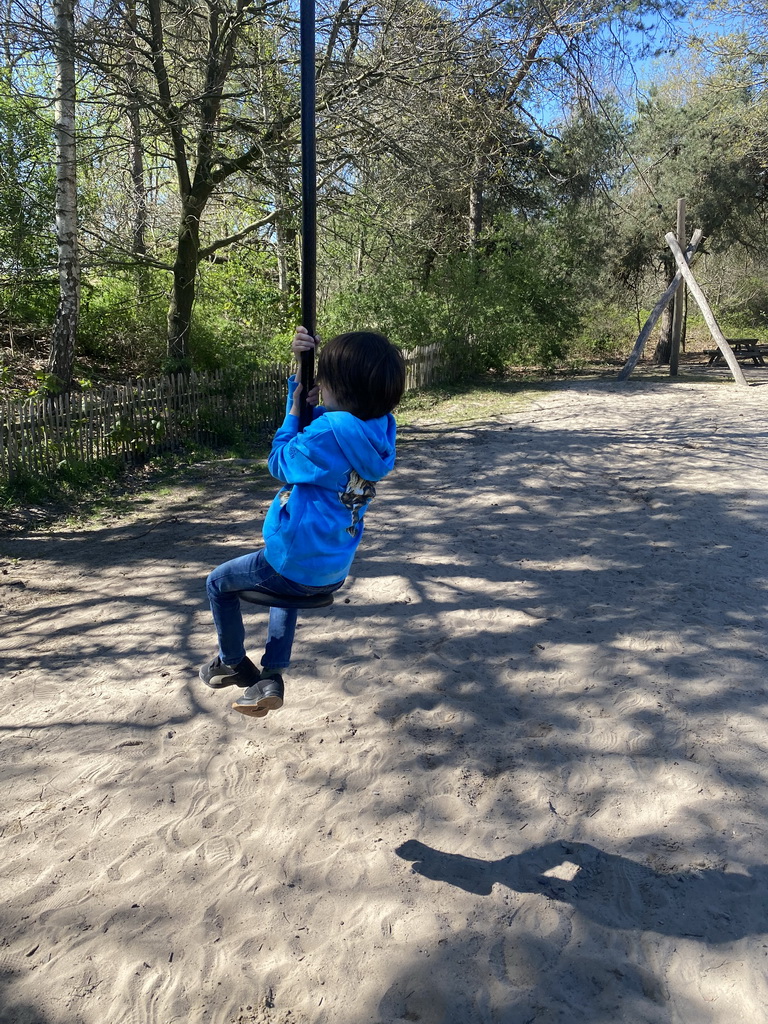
[218, 674]
[263, 696]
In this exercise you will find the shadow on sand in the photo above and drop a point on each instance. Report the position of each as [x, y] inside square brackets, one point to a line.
[712, 906]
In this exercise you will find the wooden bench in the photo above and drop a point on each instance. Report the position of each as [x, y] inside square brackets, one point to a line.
[743, 349]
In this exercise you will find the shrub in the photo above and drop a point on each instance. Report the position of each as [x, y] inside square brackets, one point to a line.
[509, 303]
[123, 319]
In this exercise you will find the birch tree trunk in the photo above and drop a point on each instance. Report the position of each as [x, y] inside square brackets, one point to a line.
[63, 338]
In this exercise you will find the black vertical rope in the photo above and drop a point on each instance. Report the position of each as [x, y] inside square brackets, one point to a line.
[308, 198]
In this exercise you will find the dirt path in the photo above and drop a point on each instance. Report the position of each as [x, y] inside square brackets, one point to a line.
[544, 688]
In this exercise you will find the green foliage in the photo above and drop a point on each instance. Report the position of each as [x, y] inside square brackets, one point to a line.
[238, 322]
[587, 158]
[240, 318]
[28, 283]
[698, 150]
[122, 319]
[137, 433]
[72, 480]
[48, 384]
[29, 304]
[508, 303]
[746, 304]
[607, 332]
[27, 184]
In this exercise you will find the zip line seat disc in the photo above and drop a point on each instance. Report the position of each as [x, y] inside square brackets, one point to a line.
[282, 601]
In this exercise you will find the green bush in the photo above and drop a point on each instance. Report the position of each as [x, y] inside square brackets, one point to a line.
[27, 186]
[29, 305]
[746, 308]
[240, 319]
[123, 319]
[509, 303]
[608, 332]
[71, 480]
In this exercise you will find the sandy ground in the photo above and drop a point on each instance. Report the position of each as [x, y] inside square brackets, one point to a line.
[520, 776]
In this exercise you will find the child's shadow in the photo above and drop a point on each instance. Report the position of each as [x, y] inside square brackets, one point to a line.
[714, 906]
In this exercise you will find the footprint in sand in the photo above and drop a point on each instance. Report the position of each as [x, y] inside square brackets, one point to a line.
[219, 850]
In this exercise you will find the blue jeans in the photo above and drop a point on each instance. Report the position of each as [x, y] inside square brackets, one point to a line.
[253, 572]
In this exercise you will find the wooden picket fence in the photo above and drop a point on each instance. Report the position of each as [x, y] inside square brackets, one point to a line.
[41, 436]
[425, 366]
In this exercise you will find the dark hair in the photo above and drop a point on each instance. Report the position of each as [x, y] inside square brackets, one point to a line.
[365, 372]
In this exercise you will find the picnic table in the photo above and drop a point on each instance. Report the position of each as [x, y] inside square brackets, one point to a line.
[743, 348]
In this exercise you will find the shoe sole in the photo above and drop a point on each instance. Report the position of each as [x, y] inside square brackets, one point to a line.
[260, 707]
[220, 682]
[251, 711]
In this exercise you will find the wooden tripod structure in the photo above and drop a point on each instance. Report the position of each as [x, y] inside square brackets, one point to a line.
[684, 274]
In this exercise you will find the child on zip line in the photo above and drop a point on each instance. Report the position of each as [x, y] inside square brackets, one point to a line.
[313, 526]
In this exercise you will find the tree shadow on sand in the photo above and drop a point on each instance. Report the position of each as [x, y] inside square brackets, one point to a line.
[13, 1011]
[709, 905]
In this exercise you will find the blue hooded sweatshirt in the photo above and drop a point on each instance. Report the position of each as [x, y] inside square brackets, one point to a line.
[314, 525]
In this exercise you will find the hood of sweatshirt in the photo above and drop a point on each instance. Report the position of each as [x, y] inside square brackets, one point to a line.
[369, 445]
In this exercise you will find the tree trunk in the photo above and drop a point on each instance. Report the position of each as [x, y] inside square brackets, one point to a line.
[136, 149]
[476, 188]
[664, 346]
[139, 186]
[286, 244]
[428, 261]
[62, 355]
[183, 294]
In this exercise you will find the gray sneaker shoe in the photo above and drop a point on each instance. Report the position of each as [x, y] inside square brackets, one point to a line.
[263, 696]
[217, 674]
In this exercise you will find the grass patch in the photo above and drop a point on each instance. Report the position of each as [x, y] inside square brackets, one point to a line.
[483, 397]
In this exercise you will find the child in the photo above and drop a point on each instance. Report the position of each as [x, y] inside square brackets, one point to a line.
[314, 525]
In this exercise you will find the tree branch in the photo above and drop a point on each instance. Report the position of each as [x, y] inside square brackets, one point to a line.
[170, 111]
[221, 243]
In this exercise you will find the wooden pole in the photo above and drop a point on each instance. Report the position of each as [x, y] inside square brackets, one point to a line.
[706, 311]
[677, 314]
[658, 309]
